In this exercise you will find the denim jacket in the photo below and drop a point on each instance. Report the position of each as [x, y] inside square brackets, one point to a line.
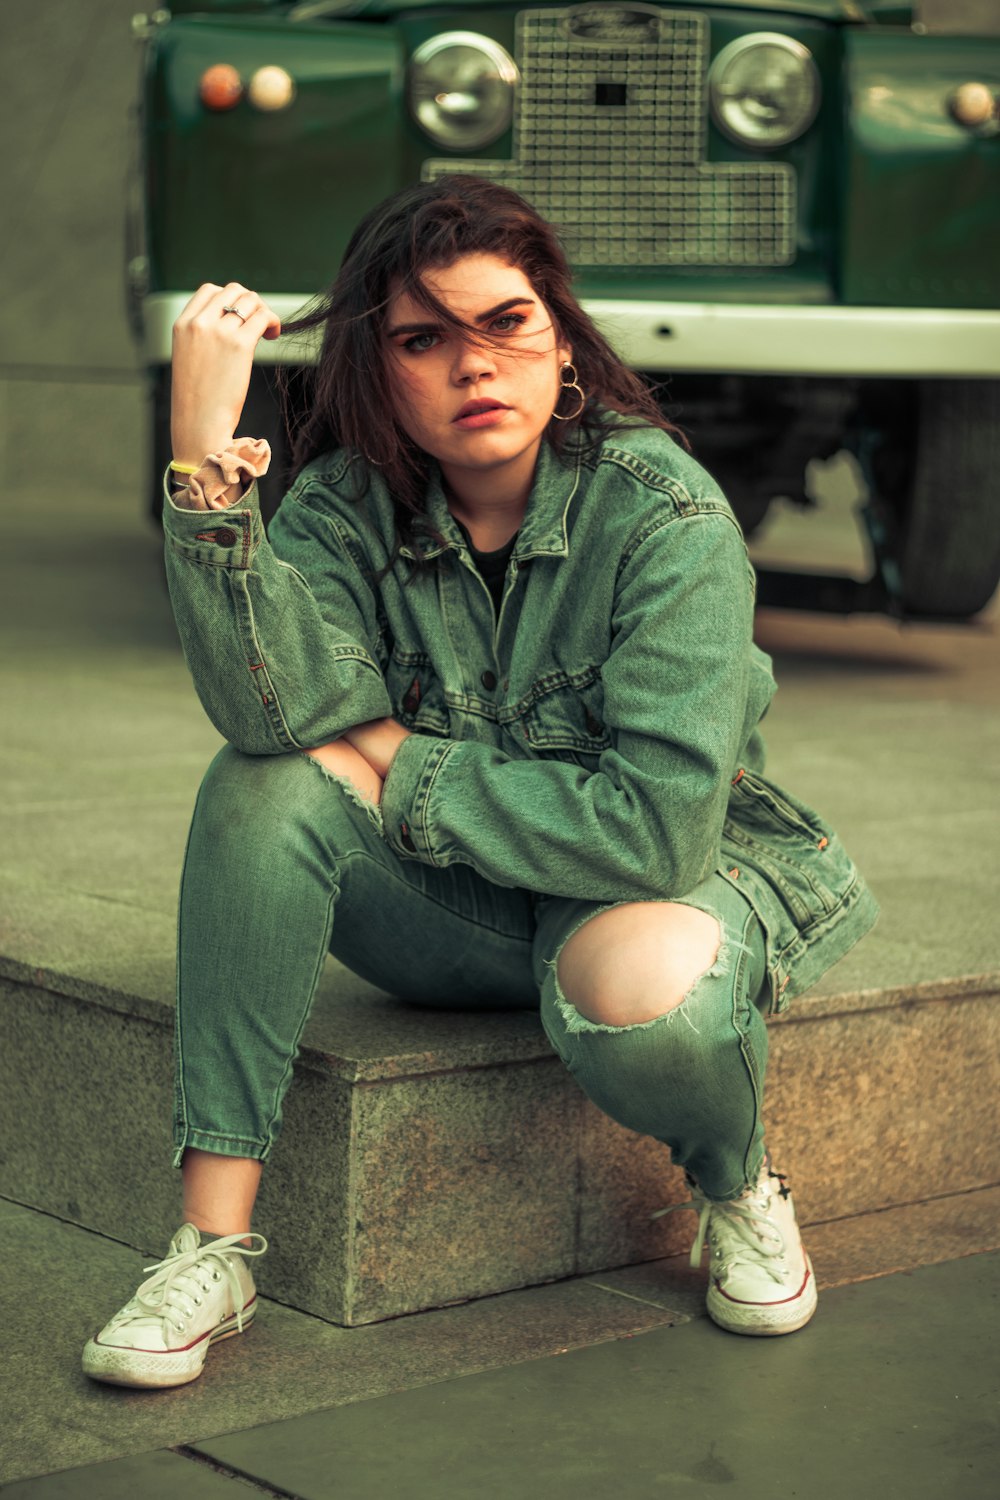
[598, 740]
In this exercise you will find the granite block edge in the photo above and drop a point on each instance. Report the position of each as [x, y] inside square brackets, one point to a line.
[467, 1052]
[808, 1008]
[461, 1054]
[30, 975]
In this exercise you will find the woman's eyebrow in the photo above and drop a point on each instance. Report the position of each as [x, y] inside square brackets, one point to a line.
[485, 317]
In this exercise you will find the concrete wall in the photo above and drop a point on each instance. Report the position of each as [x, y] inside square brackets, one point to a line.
[71, 393]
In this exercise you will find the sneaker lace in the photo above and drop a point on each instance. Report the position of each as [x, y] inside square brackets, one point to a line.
[182, 1276]
[758, 1239]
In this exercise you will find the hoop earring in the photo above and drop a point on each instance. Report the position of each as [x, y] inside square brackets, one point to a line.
[570, 384]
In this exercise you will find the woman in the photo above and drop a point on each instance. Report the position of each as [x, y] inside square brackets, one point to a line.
[489, 685]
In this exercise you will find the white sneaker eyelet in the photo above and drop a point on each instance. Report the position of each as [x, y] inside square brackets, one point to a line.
[216, 1275]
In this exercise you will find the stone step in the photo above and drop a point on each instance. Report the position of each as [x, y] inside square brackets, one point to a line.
[430, 1157]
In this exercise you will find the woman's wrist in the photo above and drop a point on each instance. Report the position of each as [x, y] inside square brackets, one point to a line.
[191, 458]
[195, 433]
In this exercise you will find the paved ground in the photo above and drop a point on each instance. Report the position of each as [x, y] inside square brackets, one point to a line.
[604, 1384]
[891, 1392]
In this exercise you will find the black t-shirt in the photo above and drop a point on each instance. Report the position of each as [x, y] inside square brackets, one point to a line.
[492, 566]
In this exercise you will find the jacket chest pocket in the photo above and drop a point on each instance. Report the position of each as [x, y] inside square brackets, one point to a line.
[563, 717]
[416, 692]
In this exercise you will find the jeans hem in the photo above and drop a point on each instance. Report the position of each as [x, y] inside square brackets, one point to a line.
[219, 1145]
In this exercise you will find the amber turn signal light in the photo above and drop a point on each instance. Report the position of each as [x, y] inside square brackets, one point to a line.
[221, 87]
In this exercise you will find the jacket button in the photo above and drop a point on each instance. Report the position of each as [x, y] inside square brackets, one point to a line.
[406, 839]
[489, 681]
[225, 537]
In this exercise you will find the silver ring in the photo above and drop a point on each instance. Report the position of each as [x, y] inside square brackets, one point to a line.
[235, 310]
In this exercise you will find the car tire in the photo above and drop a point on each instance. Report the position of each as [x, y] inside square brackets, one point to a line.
[939, 473]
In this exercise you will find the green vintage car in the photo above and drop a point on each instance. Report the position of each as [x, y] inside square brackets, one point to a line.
[786, 213]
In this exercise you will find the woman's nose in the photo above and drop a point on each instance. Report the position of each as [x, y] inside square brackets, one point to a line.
[473, 362]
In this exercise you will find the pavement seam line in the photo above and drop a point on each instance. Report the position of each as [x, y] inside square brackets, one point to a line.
[644, 1301]
[227, 1471]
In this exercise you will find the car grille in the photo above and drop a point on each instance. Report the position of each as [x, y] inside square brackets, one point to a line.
[609, 142]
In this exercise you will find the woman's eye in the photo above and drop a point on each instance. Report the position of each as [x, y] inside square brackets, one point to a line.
[507, 322]
[418, 343]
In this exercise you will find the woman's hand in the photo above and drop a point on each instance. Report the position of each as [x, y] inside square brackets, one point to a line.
[212, 358]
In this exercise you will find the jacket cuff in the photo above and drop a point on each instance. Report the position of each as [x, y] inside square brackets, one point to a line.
[215, 538]
[406, 795]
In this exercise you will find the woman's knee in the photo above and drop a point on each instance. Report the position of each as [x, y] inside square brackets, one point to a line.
[635, 962]
[239, 788]
[265, 803]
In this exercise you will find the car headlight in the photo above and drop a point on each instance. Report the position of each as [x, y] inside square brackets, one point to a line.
[764, 89]
[461, 89]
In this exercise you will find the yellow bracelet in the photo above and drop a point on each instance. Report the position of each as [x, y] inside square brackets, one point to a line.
[184, 468]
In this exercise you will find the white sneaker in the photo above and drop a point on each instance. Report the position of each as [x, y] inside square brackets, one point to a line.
[761, 1280]
[197, 1295]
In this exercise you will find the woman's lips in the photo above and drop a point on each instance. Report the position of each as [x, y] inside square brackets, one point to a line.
[480, 414]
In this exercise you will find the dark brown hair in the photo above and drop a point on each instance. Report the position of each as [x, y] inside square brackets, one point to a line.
[347, 400]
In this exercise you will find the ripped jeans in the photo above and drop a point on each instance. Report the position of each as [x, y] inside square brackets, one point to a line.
[284, 865]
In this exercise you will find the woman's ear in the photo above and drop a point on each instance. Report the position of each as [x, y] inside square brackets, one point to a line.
[565, 355]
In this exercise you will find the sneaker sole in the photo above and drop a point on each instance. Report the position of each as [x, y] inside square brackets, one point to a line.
[763, 1320]
[144, 1369]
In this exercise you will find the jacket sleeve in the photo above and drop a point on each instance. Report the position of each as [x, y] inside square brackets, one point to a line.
[647, 823]
[282, 658]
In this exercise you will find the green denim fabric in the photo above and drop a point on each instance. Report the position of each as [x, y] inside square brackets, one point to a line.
[285, 863]
[598, 741]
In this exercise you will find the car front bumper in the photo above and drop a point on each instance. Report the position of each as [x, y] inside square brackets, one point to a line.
[717, 338]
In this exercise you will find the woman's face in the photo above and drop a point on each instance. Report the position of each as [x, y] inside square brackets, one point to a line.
[476, 407]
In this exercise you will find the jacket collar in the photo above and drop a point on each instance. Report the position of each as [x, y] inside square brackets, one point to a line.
[543, 531]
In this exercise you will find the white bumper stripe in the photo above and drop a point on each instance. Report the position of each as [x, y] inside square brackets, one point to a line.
[732, 338]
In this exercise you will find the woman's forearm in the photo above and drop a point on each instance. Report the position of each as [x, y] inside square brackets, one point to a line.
[341, 759]
[363, 755]
[377, 741]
